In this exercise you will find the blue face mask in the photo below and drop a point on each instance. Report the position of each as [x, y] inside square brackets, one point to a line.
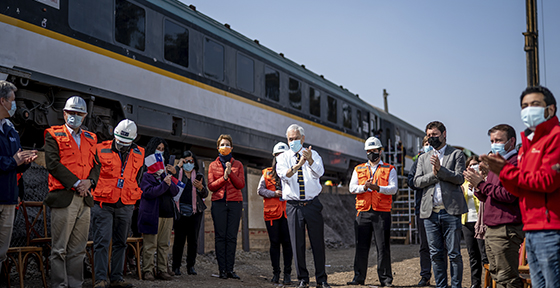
[188, 167]
[74, 121]
[498, 148]
[12, 110]
[159, 152]
[428, 148]
[533, 116]
[295, 145]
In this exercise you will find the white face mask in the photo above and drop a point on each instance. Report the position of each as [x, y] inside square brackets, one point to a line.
[12, 109]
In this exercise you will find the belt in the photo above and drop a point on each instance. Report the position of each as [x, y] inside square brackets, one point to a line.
[300, 203]
[436, 209]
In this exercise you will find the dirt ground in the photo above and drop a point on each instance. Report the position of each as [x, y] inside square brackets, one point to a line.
[255, 270]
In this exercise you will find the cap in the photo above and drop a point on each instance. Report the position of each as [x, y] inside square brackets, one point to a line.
[372, 143]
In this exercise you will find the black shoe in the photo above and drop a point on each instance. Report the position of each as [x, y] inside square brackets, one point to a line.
[223, 275]
[287, 279]
[355, 282]
[323, 285]
[191, 271]
[275, 278]
[424, 282]
[475, 286]
[177, 271]
[232, 274]
[303, 284]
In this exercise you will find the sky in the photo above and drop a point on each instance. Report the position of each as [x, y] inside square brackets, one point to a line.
[458, 62]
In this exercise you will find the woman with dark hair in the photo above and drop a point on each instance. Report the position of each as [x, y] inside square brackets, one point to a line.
[191, 206]
[226, 179]
[158, 145]
[274, 208]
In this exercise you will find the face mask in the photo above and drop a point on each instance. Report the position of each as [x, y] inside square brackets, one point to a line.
[12, 109]
[428, 148]
[372, 156]
[295, 145]
[224, 150]
[159, 152]
[74, 121]
[498, 148]
[434, 142]
[188, 166]
[159, 172]
[475, 167]
[122, 146]
[533, 116]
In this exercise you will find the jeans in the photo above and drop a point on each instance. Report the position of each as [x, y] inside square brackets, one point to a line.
[543, 255]
[442, 227]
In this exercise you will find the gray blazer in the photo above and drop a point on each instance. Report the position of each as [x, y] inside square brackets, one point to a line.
[450, 178]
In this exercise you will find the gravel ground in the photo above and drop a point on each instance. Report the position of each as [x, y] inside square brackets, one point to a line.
[255, 270]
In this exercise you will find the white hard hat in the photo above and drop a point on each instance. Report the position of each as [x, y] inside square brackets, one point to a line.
[126, 131]
[76, 103]
[372, 143]
[280, 147]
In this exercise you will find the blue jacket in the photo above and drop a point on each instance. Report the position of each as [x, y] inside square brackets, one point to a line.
[9, 145]
[148, 211]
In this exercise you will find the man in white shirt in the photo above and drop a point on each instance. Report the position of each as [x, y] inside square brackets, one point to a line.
[300, 169]
[374, 183]
[440, 173]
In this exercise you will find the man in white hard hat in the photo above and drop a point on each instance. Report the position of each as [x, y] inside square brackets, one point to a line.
[120, 162]
[69, 157]
[275, 217]
[374, 183]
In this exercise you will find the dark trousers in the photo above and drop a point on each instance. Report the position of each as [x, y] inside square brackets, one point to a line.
[226, 216]
[425, 262]
[377, 224]
[300, 216]
[475, 255]
[279, 235]
[186, 230]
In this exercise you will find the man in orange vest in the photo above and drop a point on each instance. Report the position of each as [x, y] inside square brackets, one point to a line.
[120, 162]
[270, 188]
[373, 183]
[69, 153]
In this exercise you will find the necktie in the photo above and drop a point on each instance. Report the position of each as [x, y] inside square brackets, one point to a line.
[300, 180]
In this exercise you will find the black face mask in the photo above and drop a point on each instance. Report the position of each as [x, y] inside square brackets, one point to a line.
[372, 156]
[434, 142]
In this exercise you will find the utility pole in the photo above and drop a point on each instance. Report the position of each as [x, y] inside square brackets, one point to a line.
[532, 44]
[385, 95]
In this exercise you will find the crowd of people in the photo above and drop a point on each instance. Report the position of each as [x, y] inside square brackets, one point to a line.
[495, 202]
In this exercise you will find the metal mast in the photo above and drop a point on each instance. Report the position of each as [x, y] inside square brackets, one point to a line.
[532, 44]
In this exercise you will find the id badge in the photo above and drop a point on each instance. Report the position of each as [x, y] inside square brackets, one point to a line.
[120, 183]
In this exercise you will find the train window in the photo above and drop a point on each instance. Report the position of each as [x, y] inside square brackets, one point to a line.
[331, 109]
[176, 43]
[359, 116]
[130, 24]
[347, 116]
[314, 102]
[245, 73]
[272, 83]
[294, 91]
[214, 59]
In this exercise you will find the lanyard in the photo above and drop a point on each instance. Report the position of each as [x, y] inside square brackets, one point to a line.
[373, 173]
[126, 161]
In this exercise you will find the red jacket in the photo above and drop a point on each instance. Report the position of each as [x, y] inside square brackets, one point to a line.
[230, 187]
[534, 181]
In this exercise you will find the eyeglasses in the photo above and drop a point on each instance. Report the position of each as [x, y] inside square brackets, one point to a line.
[189, 161]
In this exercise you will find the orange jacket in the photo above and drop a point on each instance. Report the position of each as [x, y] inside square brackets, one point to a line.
[110, 174]
[274, 208]
[79, 161]
[231, 187]
[373, 199]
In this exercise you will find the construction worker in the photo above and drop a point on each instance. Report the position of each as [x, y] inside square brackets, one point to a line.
[69, 157]
[120, 163]
[374, 183]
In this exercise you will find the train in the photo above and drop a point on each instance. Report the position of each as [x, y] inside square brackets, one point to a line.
[182, 76]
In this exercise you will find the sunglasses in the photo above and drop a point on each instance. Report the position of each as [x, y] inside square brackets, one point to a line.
[189, 161]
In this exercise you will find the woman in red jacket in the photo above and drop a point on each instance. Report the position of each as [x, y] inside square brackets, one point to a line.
[226, 178]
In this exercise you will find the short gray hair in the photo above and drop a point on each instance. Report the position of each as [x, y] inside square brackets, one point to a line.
[297, 128]
[5, 88]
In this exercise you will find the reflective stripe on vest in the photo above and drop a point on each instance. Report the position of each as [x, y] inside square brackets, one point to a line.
[80, 160]
[274, 208]
[106, 189]
[373, 199]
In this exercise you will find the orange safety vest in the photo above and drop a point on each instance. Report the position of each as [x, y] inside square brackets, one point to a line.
[78, 160]
[274, 208]
[373, 199]
[111, 172]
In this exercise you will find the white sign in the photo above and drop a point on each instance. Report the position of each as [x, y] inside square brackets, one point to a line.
[52, 3]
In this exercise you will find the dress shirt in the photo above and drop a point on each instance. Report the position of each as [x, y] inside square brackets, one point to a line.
[311, 175]
[510, 153]
[390, 189]
[75, 135]
[438, 200]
